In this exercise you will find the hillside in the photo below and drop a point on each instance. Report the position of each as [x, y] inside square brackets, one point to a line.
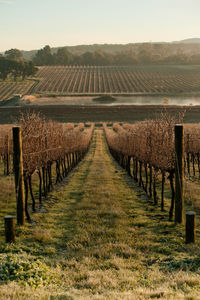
[187, 45]
[190, 41]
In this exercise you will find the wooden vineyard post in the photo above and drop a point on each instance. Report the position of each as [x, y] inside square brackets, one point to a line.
[18, 170]
[7, 155]
[190, 227]
[9, 229]
[179, 173]
[188, 154]
[45, 140]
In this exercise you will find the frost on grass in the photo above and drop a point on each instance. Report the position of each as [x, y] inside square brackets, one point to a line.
[25, 270]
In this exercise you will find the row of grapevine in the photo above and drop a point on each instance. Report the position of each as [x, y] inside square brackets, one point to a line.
[8, 89]
[77, 80]
[50, 151]
[116, 80]
[5, 148]
[192, 151]
[146, 150]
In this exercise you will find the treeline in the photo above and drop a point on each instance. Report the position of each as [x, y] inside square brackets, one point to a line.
[145, 54]
[13, 66]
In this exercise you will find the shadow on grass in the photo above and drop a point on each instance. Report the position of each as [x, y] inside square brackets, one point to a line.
[55, 223]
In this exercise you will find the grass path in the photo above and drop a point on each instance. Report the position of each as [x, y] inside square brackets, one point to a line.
[104, 240]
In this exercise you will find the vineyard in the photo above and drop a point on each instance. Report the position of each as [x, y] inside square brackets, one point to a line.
[116, 80]
[46, 145]
[105, 225]
[146, 150]
[8, 88]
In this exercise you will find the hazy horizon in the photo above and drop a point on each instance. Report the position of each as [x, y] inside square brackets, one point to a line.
[29, 25]
[91, 44]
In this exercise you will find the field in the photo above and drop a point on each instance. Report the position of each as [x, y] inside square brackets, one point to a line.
[118, 80]
[101, 113]
[9, 88]
[115, 80]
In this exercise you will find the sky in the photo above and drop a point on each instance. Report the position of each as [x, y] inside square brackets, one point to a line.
[32, 24]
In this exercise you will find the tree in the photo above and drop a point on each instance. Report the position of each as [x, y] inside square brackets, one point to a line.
[44, 57]
[5, 67]
[125, 58]
[77, 60]
[160, 50]
[14, 54]
[29, 69]
[145, 53]
[99, 58]
[63, 57]
[17, 69]
[88, 58]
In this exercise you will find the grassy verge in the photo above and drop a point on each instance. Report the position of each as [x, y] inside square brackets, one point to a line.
[98, 237]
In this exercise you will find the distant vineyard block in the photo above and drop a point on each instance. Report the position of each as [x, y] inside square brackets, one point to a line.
[99, 80]
[107, 80]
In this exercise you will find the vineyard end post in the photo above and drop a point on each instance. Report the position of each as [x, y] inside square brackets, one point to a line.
[179, 173]
[190, 227]
[18, 170]
[9, 229]
[7, 155]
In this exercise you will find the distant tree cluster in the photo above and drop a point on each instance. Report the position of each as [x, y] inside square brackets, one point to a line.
[13, 66]
[44, 57]
[146, 54]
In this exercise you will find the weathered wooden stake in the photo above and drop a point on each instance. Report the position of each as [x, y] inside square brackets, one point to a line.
[7, 155]
[18, 170]
[179, 173]
[9, 229]
[190, 227]
[188, 154]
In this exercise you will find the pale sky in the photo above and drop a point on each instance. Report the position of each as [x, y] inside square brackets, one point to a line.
[32, 24]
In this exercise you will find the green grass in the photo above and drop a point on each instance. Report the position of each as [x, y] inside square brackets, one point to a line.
[101, 239]
[7, 196]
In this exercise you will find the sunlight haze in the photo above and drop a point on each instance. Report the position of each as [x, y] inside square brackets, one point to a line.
[28, 24]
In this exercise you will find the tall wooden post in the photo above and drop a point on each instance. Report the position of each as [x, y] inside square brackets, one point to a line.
[9, 229]
[190, 227]
[45, 140]
[7, 155]
[18, 170]
[179, 173]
